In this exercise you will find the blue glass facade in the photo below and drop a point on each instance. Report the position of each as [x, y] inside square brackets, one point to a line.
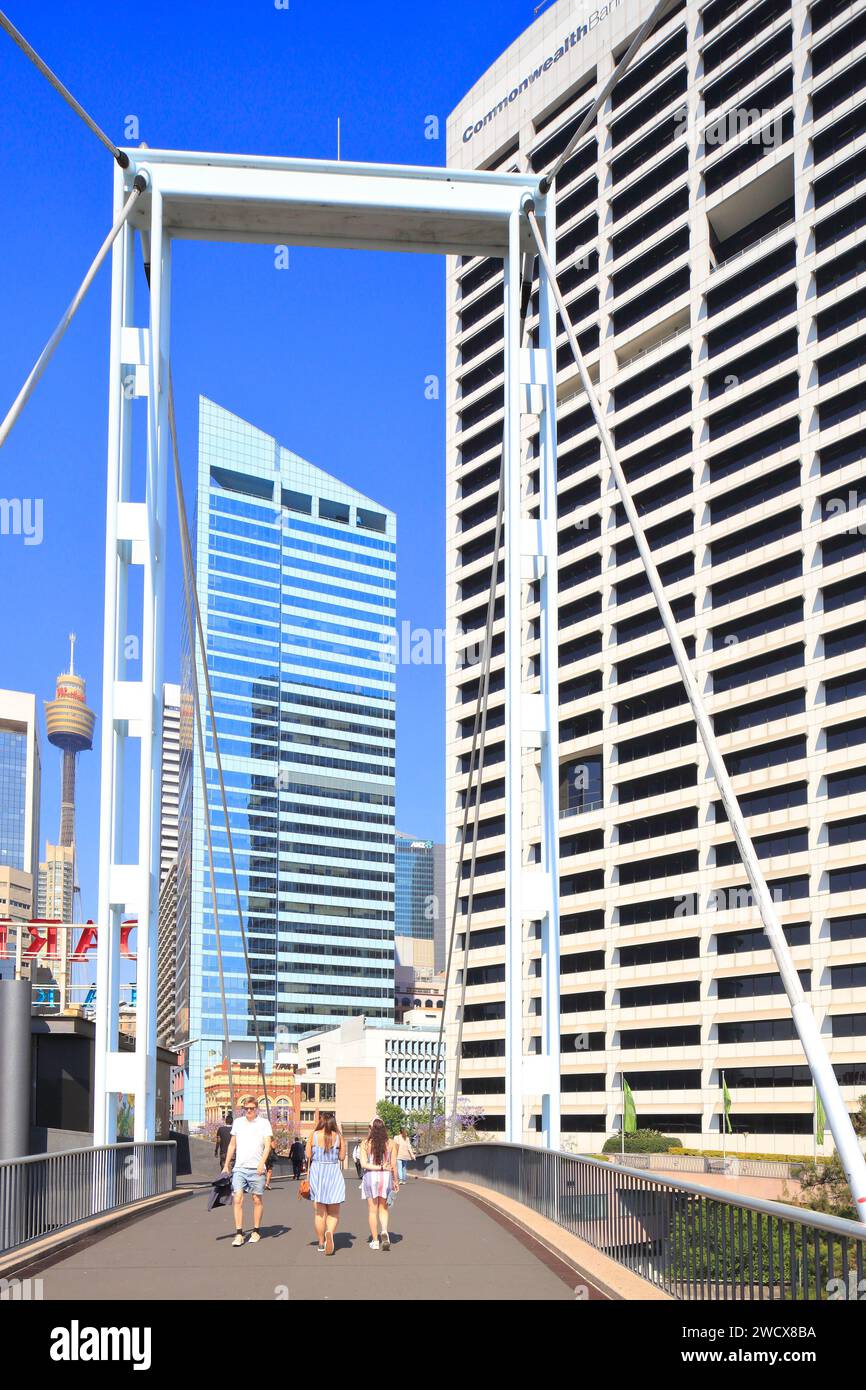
[297, 576]
[414, 906]
[13, 799]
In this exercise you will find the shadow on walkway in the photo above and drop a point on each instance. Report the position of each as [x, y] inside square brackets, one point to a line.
[443, 1248]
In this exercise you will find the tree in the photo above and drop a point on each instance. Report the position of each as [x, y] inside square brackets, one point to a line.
[824, 1187]
[418, 1125]
[465, 1122]
[394, 1116]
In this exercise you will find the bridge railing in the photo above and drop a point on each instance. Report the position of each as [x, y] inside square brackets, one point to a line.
[691, 1241]
[46, 1193]
[730, 1166]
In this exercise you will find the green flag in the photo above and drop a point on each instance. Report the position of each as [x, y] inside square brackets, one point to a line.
[820, 1118]
[629, 1114]
[726, 1102]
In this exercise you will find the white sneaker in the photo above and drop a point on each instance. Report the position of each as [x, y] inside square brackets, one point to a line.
[374, 1245]
[239, 1239]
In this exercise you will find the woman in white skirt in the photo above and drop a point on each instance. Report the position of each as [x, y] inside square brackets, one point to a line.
[379, 1162]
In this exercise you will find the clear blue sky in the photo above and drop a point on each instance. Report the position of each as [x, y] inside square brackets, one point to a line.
[330, 356]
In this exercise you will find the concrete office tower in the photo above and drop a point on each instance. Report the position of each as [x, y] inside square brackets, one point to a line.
[69, 724]
[20, 785]
[57, 883]
[166, 967]
[710, 247]
[297, 583]
[16, 910]
[168, 806]
[442, 920]
[166, 959]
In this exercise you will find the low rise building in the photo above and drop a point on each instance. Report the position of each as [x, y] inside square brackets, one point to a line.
[284, 1093]
[367, 1061]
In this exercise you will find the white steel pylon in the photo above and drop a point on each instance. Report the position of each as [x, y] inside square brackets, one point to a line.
[312, 203]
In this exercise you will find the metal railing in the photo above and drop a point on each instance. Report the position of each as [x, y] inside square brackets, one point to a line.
[732, 1165]
[46, 1193]
[768, 236]
[580, 809]
[690, 1241]
[644, 352]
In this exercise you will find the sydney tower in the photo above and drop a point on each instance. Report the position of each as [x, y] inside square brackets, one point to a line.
[69, 724]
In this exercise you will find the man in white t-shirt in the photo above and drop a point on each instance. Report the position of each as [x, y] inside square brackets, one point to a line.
[249, 1146]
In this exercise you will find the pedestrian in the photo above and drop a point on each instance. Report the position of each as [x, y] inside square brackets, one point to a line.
[326, 1154]
[248, 1149]
[223, 1137]
[296, 1153]
[405, 1152]
[379, 1161]
[269, 1164]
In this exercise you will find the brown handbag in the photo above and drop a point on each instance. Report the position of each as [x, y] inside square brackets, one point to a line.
[304, 1184]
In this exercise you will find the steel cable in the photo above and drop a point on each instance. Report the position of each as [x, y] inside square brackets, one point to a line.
[607, 87]
[30, 52]
[138, 187]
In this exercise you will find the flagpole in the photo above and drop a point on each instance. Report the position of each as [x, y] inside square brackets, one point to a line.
[814, 1126]
[724, 1126]
[622, 1129]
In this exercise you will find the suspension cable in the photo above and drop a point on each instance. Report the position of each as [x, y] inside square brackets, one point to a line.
[481, 704]
[804, 1020]
[479, 732]
[607, 87]
[476, 800]
[188, 585]
[187, 549]
[30, 52]
[140, 183]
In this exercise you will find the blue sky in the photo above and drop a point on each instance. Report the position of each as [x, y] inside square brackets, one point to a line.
[331, 355]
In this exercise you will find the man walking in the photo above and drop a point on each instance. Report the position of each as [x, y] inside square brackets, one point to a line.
[296, 1153]
[248, 1149]
[223, 1139]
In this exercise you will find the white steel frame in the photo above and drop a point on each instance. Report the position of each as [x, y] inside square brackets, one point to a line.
[314, 203]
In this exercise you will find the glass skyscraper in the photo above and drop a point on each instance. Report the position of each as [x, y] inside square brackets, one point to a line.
[419, 913]
[20, 783]
[13, 796]
[414, 903]
[296, 574]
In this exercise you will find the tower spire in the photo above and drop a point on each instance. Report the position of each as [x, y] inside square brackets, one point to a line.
[72, 653]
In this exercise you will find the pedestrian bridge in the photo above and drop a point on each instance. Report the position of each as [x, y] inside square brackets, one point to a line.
[475, 1222]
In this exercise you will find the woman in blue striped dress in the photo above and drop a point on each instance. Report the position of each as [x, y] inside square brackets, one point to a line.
[326, 1154]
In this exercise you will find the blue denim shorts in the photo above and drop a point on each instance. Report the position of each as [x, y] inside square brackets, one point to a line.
[248, 1180]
